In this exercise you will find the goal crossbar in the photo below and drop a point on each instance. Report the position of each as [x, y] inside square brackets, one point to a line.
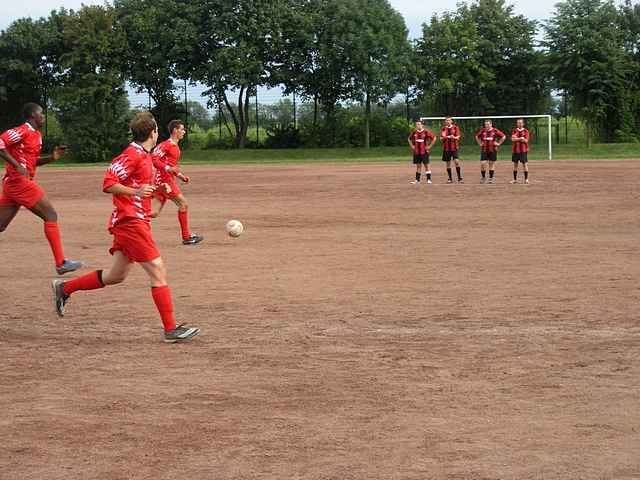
[491, 117]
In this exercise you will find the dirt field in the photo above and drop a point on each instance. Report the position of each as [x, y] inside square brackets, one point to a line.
[361, 328]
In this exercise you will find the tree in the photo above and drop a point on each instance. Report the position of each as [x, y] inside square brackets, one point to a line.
[450, 72]
[233, 44]
[316, 60]
[379, 54]
[587, 60]
[29, 53]
[506, 48]
[151, 40]
[630, 27]
[198, 115]
[481, 59]
[91, 100]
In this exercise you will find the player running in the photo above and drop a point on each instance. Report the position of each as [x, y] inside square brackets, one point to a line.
[450, 136]
[421, 140]
[520, 139]
[489, 140]
[20, 149]
[165, 158]
[130, 180]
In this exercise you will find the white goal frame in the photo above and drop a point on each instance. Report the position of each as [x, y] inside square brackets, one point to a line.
[492, 117]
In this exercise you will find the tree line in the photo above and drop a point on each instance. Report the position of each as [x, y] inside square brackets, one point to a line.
[479, 59]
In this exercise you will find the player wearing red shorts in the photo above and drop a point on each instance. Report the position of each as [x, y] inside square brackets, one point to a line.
[130, 180]
[165, 158]
[520, 139]
[450, 136]
[489, 140]
[421, 140]
[20, 149]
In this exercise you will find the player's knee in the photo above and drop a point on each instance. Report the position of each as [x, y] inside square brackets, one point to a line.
[50, 215]
[154, 214]
[159, 275]
[116, 279]
[184, 206]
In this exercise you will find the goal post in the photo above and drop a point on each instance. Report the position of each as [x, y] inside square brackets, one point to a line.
[501, 117]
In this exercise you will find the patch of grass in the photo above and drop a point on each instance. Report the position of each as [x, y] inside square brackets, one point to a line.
[401, 154]
[391, 154]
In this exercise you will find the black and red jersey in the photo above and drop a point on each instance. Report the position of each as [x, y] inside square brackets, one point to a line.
[450, 144]
[418, 139]
[488, 138]
[520, 147]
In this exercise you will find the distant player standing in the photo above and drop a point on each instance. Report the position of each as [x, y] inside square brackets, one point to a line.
[520, 139]
[165, 158]
[489, 140]
[130, 180]
[421, 140]
[450, 136]
[20, 149]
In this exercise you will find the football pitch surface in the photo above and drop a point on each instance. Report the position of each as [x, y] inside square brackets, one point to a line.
[360, 328]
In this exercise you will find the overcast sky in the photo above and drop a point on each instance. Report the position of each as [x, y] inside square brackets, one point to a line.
[415, 11]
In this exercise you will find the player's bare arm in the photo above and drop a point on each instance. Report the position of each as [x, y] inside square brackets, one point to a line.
[54, 156]
[7, 157]
[119, 189]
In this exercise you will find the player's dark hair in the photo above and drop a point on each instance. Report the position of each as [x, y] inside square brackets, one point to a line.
[173, 124]
[29, 110]
[142, 125]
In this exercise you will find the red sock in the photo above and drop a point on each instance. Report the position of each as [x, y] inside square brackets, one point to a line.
[90, 281]
[183, 218]
[164, 304]
[52, 232]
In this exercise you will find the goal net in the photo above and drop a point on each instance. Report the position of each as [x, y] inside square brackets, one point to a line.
[539, 127]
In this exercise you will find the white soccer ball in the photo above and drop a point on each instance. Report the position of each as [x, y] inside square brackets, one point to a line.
[234, 228]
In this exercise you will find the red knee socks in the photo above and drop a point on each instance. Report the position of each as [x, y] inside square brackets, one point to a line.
[52, 232]
[164, 304]
[183, 218]
[90, 281]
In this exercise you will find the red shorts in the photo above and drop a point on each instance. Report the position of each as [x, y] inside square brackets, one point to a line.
[133, 238]
[20, 191]
[161, 194]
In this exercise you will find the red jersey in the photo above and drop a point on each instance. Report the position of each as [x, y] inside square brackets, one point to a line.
[520, 147]
[450, 144]
[132, 168]
[418, 139]
[165, 154]
[24, 143]
[489, 137]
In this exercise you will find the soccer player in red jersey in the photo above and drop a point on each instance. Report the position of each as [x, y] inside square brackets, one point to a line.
[520, 139]
[489, 140]
[450, 136]
[421, 140]
[20, 149]
[165, 158]
[130, 180]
